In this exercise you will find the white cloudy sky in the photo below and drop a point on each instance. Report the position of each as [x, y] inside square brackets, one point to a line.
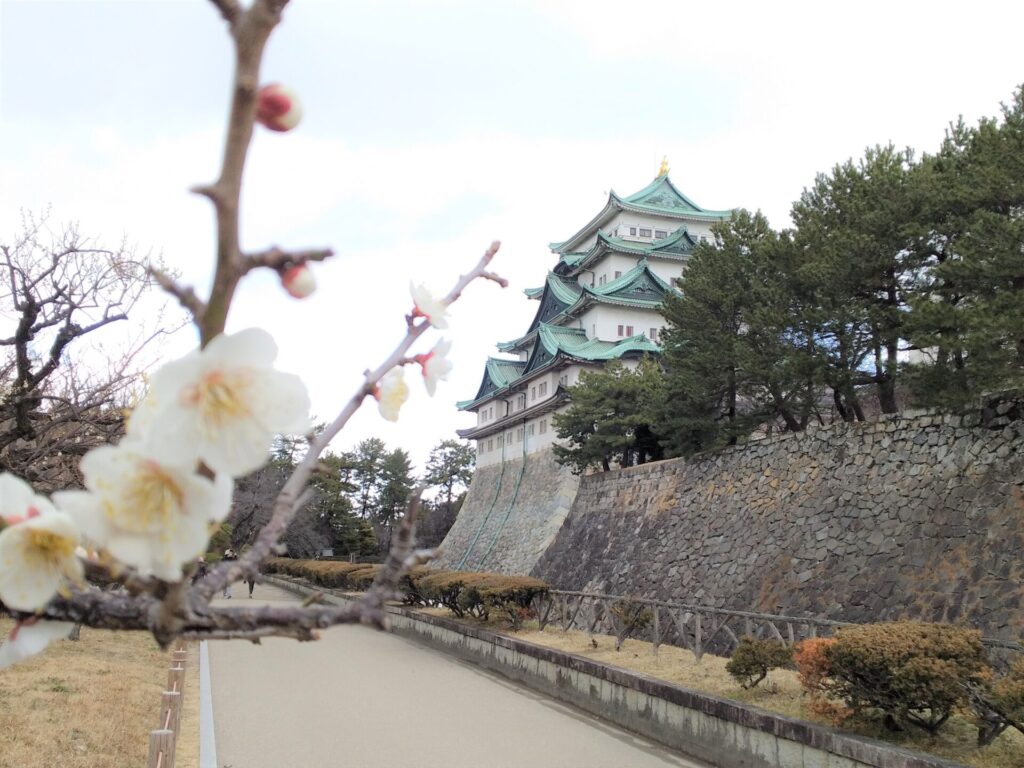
[435, 126]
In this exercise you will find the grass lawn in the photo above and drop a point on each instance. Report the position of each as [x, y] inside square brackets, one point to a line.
[91, 703]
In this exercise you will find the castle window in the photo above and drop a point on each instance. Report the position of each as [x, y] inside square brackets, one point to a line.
[543, 426]
[529, 429]
[600, 280]
[645, 233]
[618, 274]
[621, 328]
[501, 440]
[661, 234]
[629, 330]
[654, 334]
[563, 380]
[542, 389]
[632, 231]
[490, 445]
[533, 393]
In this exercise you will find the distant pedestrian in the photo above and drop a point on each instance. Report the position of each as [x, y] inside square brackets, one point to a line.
[229, 554]
[201, 569]
[251, 581]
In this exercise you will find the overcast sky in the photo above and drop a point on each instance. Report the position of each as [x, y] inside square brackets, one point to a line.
[432, 128]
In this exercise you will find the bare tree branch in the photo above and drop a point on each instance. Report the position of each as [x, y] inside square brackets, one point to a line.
[277, 259]
[186, 296]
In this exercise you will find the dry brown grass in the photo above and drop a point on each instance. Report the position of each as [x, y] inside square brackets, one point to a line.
[780, 692]
[91, 703]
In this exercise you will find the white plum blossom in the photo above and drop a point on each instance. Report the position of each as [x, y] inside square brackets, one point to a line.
[436, 365]
[391, 393]
[149, 514]
[18, 502]
[30, 637]
[37, 557]
[435, 310]
[222, 405]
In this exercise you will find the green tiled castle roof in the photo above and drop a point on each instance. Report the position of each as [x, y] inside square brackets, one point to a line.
[659, 198]
[555, 343]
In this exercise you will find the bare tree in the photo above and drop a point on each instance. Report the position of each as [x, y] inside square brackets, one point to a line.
[60, 394]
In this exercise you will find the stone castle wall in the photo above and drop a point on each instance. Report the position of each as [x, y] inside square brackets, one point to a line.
[510, 516]
[918, 517]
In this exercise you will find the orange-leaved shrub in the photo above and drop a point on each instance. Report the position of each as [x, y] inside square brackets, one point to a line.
[914, 672]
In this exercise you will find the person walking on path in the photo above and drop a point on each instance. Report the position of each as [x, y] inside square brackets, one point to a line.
[229, 554]
[201, 569]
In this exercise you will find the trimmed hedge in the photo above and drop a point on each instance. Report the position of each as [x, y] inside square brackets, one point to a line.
[462, 592]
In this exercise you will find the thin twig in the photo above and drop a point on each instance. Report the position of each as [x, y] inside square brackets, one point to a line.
[278, 259]
[186, 296]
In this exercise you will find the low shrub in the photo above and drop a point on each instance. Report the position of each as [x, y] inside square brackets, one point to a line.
[812, 663]
[753, 659]
[629, 617]
[510, 596]
[360, 579]
[914, 672]
[998, 703]
[445, 589]
[410, 585]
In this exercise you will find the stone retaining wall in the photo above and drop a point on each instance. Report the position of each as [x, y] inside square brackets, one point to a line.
[919, 516]
[510, 516]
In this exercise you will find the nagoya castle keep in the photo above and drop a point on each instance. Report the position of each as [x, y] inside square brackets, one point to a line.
[600, 302]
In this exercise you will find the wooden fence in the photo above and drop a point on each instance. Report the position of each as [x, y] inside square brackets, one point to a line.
[163, 741]
[698, 628]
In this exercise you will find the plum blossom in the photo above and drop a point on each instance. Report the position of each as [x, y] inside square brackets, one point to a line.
[37, 557]
[30, 637]
[436, 365]
[298, 281]
[222, 405]
[278, 107]
[149, 514]
[425, 305]
[391, 393]
[18, 502]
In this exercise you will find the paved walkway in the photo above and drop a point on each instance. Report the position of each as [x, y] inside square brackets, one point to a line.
[365, 699]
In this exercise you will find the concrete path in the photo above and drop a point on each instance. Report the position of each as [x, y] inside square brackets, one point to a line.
[365, 699]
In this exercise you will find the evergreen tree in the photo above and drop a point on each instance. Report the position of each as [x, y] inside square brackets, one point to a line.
[366, 474]
[396, 483]
[969, 315]
[450, 467]
[738, 349]
[855, 232]
[611, 418]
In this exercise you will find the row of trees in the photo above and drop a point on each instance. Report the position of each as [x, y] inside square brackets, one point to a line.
[902, 279]
[358, 497]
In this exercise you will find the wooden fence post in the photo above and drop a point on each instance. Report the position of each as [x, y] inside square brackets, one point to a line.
[698, 647]
[170, 710]
[161, 749]
[656, 631]
[176, 679]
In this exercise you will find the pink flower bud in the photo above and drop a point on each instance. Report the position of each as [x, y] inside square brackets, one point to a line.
[298, 281]
[278, 108]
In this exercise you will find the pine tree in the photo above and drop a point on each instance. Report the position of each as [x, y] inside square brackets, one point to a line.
[612, 418]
